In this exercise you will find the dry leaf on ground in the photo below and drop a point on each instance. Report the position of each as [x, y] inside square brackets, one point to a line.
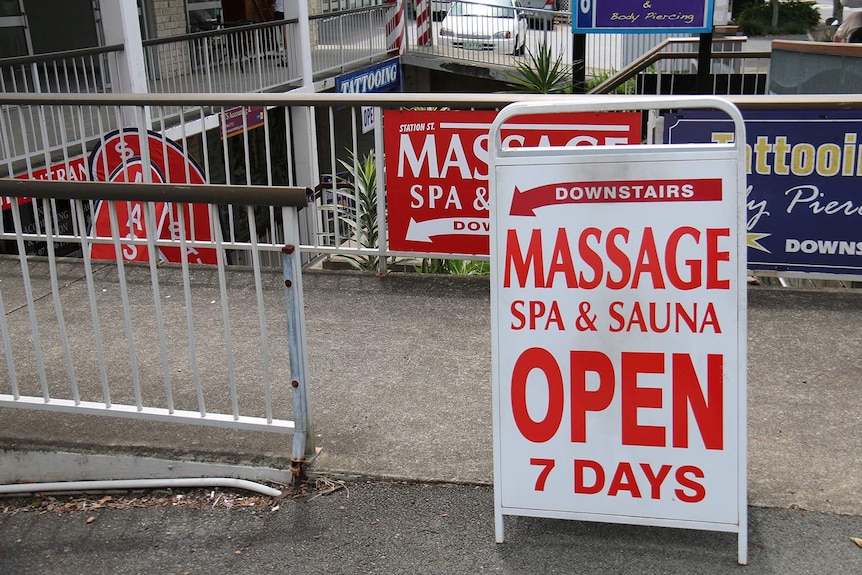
[198, 498]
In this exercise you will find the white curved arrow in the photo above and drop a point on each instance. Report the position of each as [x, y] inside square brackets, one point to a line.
[424, 231]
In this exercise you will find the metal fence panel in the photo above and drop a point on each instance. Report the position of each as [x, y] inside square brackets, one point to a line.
[159, 338]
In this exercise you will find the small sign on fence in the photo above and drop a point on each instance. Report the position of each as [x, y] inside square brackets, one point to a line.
[240, 119]
[618, 330]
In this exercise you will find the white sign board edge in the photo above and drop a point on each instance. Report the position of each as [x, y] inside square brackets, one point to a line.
[534, 157]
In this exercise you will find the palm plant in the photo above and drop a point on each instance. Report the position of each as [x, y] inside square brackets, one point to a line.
[541, 73]
[354, 203]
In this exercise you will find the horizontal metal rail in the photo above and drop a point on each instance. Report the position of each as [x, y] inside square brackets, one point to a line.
[394, 100]
[118, 484]
[64, 55]
[278, 196]
[161, 414]
[216, 32]
[347, 12]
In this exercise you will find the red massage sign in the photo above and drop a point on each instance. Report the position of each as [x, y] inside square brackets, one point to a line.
[618, 333]
[437, 188]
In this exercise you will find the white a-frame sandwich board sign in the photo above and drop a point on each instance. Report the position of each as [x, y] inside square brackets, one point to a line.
[618, 309]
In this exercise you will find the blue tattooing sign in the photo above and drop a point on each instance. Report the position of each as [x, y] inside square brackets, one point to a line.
[380, 77]
[642, 16]
[804, 185]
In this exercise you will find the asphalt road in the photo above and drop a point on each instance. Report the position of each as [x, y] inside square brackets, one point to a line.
[384, 527]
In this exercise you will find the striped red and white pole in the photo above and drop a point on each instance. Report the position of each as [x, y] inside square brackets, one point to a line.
[423, 22]
[395, 27]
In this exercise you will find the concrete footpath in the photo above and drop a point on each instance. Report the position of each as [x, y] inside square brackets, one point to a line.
[400, 386]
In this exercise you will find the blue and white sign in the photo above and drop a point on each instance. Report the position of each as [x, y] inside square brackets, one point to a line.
[642, 16]
[380, 77]
[804, 185]
[367, 118]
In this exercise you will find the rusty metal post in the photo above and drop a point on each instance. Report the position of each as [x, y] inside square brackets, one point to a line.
[303, 437]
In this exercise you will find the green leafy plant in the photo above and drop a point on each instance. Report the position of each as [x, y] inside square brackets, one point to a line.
[353, 208]
[454, 267]
[628, 87]
[541, 73]
[793, 17]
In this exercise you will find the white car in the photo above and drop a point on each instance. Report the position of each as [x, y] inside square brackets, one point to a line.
[540, 13]
[493, 25]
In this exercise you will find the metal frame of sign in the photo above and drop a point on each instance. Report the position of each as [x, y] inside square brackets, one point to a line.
[605, 409]
[642, 16]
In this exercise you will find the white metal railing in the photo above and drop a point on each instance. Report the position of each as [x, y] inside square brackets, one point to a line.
[541, 27]
[248, 57]
[230, 58]
[86, 71]
[34, 136]
[605, 54]
[76, 318]
[608, 54]
[233, 57]
[327, 6]
[341, 40]
[158, 342]
[672, 65]
[257, 148]
[164, 338]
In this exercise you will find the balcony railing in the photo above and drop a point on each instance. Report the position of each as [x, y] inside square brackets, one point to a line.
[248, 57]
[263, 57]
[86, 71]
[242, 58]
[542, 27]
[671, 68]
[346, 39]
